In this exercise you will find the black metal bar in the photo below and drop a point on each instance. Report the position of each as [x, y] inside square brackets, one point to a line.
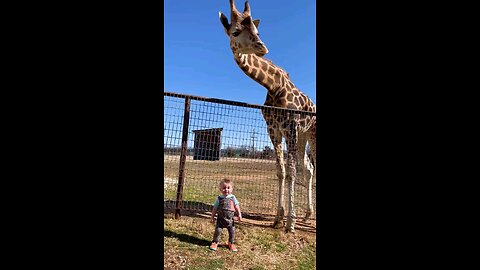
[183, 157]
[236, 103]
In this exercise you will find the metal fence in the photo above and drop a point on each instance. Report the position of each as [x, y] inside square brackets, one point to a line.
[206, 140]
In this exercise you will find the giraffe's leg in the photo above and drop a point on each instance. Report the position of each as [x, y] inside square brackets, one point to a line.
[304, 175]
[292, 141]
[276, 138]
[299, 157]
[309, 176]
[312, 168]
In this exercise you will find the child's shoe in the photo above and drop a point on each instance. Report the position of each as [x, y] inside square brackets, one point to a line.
[232, 247]
[213, 246]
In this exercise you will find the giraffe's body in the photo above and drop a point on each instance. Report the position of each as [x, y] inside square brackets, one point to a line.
[297, 129]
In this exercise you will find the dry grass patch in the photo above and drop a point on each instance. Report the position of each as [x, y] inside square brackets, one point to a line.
[186, 244]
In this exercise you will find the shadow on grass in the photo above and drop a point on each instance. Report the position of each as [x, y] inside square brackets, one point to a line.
[249, 220]
[187, 238]
[197, 206]
[300, 226]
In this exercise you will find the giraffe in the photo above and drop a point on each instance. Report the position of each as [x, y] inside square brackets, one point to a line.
[248, 51]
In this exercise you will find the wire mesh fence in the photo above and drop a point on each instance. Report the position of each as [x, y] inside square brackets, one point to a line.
[206, 140]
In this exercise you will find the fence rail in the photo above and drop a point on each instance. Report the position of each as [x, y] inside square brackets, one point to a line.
[208, 139]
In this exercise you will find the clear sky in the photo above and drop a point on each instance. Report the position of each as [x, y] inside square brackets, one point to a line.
[199, 61]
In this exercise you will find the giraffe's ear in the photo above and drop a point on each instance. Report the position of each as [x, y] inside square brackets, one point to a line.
[256, 22]
[224, 21]
[246, 21]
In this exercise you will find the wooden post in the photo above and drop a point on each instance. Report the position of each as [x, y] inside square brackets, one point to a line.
[183, 157]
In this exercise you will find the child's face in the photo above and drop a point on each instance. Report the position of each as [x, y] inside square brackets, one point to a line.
[226, 189]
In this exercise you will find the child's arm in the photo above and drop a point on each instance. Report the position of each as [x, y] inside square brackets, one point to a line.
[214, 211]
[237, 208]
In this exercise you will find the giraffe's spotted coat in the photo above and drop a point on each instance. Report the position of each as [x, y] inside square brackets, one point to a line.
[248, 51]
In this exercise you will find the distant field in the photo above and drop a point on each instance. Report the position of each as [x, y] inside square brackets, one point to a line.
[255, 183]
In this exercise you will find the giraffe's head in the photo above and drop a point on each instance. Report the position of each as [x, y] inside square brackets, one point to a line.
[242, 31]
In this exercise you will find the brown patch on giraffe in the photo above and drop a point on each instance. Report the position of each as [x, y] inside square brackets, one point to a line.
[260, 76]
[249, 59]
[301, 99]
[278, 103]
[285, 82]
[292, 106]
[271, 69]
[303, 103]
[310, 104]
[254, 72]
[255, 62]
[296, 101]
[290, 97]
[276, 77]
[288, 88]
[270, 80]
[295, 92]
[264, 65]
[244, 68]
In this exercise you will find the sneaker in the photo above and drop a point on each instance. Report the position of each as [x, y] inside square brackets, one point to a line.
[232, 247]
[213, 246]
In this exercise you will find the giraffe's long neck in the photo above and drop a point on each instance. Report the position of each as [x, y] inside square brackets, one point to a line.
[262, 71]
[281, 90]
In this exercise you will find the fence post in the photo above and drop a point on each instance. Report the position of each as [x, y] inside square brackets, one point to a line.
[183, 157]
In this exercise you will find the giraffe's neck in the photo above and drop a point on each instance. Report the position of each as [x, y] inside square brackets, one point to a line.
[262, 71]
[281, 90]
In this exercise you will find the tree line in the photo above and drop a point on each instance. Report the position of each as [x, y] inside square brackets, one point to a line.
[241, 152]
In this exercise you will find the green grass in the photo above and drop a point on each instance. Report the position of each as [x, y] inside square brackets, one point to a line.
[206, 264]
[192, 193]
[279, 247]
[306, 260]
[255, 183]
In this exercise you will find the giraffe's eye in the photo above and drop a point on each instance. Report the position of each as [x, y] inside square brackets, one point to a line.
[236, 33]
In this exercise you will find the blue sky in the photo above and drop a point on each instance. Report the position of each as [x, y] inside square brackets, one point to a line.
[198, 59]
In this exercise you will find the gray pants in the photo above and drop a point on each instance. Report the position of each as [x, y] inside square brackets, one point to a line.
[225, 220]
[218, 232]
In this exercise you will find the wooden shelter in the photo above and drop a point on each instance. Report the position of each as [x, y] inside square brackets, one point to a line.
[207, 144]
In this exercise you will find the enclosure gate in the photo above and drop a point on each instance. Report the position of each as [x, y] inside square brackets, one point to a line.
[236, 134]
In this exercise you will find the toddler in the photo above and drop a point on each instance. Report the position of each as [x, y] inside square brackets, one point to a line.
[225, 205]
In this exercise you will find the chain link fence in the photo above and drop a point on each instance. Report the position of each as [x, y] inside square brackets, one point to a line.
[206, 140]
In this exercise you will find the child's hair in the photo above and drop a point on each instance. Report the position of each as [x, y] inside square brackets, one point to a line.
[226, 181]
